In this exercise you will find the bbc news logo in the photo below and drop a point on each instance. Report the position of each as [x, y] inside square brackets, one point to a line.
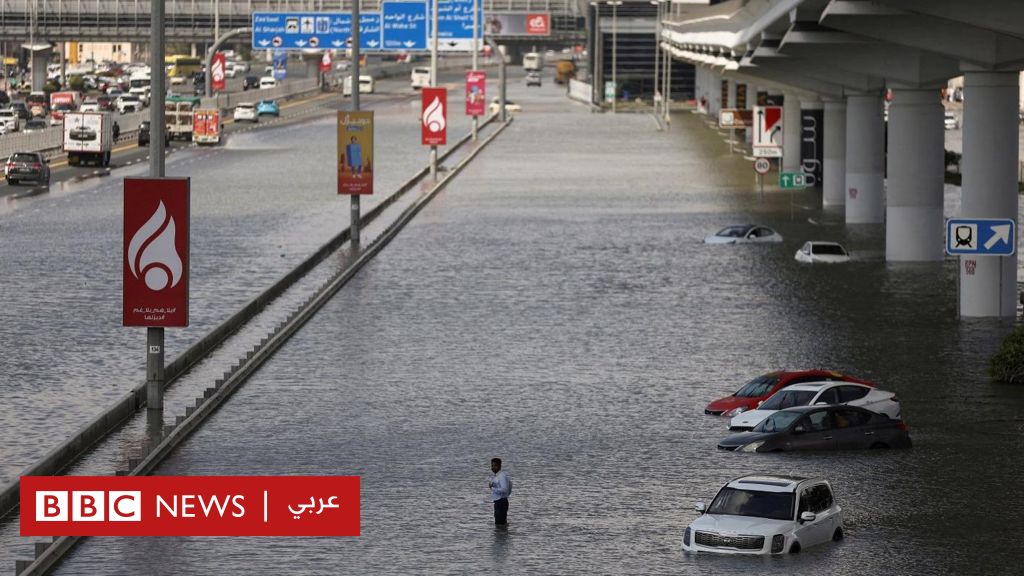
[190, 506]
[88, 506]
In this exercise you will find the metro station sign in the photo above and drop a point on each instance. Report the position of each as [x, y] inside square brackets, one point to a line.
[981, 236]
[155, 252]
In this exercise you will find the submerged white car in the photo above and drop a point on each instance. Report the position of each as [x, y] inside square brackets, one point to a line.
[766, 515]
[744, 234]
[820, 393]
[817, 252]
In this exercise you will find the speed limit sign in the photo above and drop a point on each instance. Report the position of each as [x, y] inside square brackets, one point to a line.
[762, 166]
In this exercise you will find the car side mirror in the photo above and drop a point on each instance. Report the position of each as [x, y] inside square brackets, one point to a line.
[808, 517]
[699, 507]
[799, 429]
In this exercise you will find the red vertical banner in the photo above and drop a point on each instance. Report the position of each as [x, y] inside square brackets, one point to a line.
[218, 72]
[434, 117]
[476, 92]
[156, 245]
[355, 152]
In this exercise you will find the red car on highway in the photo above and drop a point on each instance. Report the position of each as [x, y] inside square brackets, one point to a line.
[751, 394]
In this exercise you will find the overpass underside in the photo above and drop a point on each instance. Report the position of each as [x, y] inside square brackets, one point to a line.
[836, 62]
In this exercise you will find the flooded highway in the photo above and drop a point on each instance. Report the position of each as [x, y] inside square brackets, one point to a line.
[555, 307]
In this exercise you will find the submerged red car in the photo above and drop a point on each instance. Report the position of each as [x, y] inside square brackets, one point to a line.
[761, 388]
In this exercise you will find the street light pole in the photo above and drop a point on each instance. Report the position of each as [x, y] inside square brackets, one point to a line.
[355, 219]
[157, 129]
[615, 51]
[657, 48]
[476, 53]
[433, 79]
[597, 74]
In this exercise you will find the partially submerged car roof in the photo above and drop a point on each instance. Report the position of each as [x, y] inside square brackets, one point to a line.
[767, 483]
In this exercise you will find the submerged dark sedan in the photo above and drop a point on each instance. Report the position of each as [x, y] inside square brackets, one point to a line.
[838, 427]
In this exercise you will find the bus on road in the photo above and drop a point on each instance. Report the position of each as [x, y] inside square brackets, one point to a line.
[179, 66]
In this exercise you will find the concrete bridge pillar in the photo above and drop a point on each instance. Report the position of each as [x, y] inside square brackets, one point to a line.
[914, 224]
[748, 135]
[790, 132]
[834, 170]
[40, 55]
[865, 159]
[988, 285]
[715, 90]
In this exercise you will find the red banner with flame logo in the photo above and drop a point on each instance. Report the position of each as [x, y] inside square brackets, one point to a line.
[155, 259]
[434, 117]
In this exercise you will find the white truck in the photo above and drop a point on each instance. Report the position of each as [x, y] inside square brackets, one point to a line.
[88, 138]
[139, 85]
[533, 62]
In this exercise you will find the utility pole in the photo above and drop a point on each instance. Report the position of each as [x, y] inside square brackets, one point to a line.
[657, 44]
[615, 50]
[433, 79]
[355, 220]
[157, 129]
[476, 53]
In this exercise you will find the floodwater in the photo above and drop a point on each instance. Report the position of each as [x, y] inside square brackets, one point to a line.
[556, 308]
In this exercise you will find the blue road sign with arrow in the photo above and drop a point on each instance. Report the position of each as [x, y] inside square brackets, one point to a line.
[299, 30]
[981, 236]
[455, 24]
[404, 25]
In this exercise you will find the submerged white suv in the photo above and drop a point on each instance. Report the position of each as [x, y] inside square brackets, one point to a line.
[766, 515]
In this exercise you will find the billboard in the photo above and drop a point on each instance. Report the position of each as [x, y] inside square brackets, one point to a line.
[280, 65]
[355, 152]
[434, 117]
[476, 93]
[218, 73]
[155, 252]
[517, 24]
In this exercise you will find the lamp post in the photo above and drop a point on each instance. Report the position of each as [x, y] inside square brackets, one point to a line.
[657, 49]
[615, 50]
[597, 49]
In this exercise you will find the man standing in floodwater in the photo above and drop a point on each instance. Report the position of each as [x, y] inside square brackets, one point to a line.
[501, 487]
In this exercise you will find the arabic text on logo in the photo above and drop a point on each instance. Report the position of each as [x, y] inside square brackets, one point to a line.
[152, 255]
[433, 116]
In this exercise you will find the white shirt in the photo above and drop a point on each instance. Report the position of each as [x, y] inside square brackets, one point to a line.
[501, 486]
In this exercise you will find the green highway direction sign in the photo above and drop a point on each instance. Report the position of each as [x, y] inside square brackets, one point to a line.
[792, 180]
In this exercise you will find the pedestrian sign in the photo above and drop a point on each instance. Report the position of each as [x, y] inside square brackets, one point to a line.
[981, 236]
[767, 141]
[792, 180]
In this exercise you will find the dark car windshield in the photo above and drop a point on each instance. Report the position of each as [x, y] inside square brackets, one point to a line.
[828, 249]
[778, 422]
[733, 231]
[788, 398]
[757, 387]
[24, 157]
[736, 502]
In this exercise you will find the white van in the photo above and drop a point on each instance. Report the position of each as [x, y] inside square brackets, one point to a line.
[366, 85]
[268, 82]
[420, 78]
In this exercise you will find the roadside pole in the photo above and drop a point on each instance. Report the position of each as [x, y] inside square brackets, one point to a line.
[354, 213]
[476, 53]
[433, 78]
[157, 129]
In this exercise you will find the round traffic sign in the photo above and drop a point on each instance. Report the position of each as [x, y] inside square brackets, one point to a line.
[762, 166]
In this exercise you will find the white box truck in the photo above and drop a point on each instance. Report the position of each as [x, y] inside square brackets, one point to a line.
[88, 138]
